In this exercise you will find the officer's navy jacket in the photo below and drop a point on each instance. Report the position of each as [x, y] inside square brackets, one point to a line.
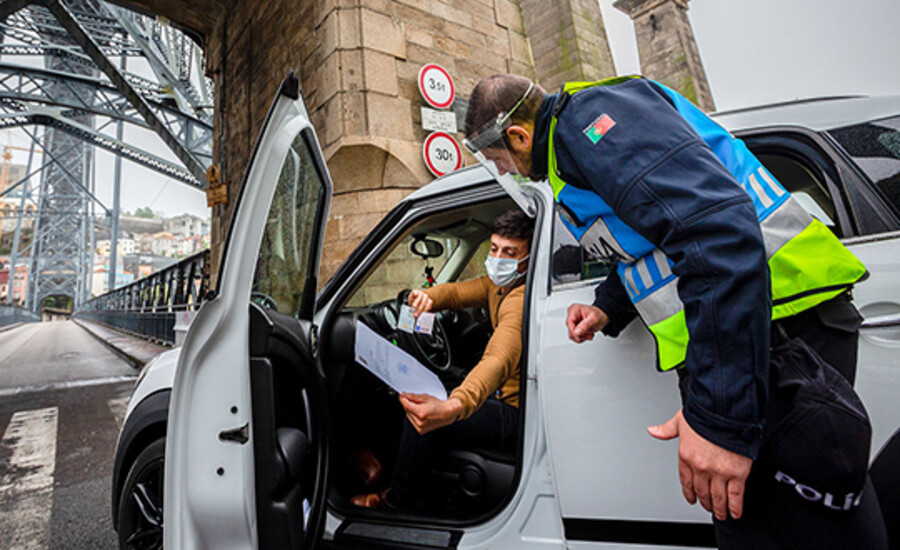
[661, 179]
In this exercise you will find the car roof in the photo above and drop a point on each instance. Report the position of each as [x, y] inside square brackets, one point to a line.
[823, 113]
[470, 175]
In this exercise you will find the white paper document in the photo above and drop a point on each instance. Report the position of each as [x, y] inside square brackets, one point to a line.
[398, 369]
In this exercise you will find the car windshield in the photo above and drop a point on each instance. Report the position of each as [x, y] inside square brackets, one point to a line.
[875, 147]
[463, 236]
[403, 268]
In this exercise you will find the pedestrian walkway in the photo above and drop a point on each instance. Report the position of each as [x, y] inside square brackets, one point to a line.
[136, 351]
[30, 440]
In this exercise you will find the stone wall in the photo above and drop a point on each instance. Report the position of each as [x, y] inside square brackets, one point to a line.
[358, 62]
[667, 48]
[568, 41]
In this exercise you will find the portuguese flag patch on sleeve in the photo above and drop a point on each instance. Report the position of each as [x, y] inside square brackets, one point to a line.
[601, 125]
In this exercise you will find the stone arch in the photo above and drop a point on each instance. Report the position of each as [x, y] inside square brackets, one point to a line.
[370, 177]
[55, 305]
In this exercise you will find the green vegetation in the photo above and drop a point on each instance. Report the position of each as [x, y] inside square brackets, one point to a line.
[686, 88]
[144, 212]
[57, 302]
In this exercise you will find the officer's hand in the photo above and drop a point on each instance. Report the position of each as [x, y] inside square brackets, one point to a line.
[708, 472]
[420, 302]
[583, 321]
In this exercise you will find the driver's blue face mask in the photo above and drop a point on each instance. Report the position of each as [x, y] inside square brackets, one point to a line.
[504, 271]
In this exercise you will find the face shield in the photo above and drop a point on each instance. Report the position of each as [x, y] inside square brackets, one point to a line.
[490, 146]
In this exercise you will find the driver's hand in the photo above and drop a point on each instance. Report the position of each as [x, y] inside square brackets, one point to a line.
[426, 412]
[583, 321]
[420, 302]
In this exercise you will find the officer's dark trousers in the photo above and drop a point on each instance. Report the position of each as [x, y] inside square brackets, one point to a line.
[832, 330]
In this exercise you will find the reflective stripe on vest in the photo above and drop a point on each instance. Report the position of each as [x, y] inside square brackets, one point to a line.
[807, 263]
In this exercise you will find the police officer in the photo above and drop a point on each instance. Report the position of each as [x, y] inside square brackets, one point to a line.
[712, 253]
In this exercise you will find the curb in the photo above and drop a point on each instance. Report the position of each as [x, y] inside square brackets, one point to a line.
[96, 330]
[5, 328]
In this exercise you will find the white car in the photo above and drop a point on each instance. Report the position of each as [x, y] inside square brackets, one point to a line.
[246, 430]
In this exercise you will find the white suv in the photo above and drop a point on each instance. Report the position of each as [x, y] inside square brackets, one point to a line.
[247, 429]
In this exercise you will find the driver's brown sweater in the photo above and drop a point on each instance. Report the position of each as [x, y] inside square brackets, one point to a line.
[499, 366]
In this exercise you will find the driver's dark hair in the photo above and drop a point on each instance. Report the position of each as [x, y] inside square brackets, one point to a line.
[514, 224]
[499, 93]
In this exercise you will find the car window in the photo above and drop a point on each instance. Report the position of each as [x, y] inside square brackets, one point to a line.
[570, 262]
[475, 266]
[401, 269]
[807, 187]
[284, 255]
[875, 148]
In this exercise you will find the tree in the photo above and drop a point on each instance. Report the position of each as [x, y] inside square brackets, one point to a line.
[144, 212]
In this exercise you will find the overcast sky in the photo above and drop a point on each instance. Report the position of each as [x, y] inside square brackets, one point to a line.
[754, 52]
[760, 51]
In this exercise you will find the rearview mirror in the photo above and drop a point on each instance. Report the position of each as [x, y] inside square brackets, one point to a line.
[426, 248]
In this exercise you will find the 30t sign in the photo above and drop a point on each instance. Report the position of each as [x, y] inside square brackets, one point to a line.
[436, 86]
[442, 154]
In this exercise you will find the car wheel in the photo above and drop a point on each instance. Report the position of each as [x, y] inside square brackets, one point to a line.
[141, 500]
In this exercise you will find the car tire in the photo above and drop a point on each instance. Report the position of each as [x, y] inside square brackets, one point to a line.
[141, 500]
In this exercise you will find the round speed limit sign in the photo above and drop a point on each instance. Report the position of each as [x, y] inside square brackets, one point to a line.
[436, 86]
[442, 153]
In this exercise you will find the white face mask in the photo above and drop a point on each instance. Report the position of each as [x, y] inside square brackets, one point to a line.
[504, 271]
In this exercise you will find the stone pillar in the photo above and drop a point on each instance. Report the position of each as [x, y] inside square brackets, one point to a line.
[568, 41]
[358, 62]
[667, 47]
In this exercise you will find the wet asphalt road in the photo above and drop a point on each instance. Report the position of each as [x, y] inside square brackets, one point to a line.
[62, 400]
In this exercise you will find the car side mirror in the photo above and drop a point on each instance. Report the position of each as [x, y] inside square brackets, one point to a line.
[425, 247]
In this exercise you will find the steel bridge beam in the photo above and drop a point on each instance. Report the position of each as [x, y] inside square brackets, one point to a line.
[37, 23]
[27, 84]
[9, 7]
[75, 37]
[150, 45]
[53, 119]
[90, 46]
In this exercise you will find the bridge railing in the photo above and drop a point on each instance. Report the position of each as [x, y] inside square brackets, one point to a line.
[148, 307]
[10, 315]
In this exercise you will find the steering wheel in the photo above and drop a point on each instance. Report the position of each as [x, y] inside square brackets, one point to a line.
[434, 348]
[264, 300]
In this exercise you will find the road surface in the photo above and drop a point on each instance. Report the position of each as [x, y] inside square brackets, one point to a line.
[63, 396]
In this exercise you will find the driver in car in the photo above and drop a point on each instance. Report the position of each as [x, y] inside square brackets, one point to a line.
[483, 410]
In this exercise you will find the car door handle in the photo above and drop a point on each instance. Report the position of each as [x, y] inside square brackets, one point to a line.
[882, 321]
[239, 435]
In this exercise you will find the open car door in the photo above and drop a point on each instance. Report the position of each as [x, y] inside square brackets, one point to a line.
[246, 454]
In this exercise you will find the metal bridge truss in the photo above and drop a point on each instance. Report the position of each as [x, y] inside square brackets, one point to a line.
[118, 32]
[28, 96]
[79, 41]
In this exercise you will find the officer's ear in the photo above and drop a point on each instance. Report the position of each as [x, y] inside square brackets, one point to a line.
[520, 138]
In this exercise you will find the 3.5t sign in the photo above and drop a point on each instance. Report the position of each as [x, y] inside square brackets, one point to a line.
[436, 86]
